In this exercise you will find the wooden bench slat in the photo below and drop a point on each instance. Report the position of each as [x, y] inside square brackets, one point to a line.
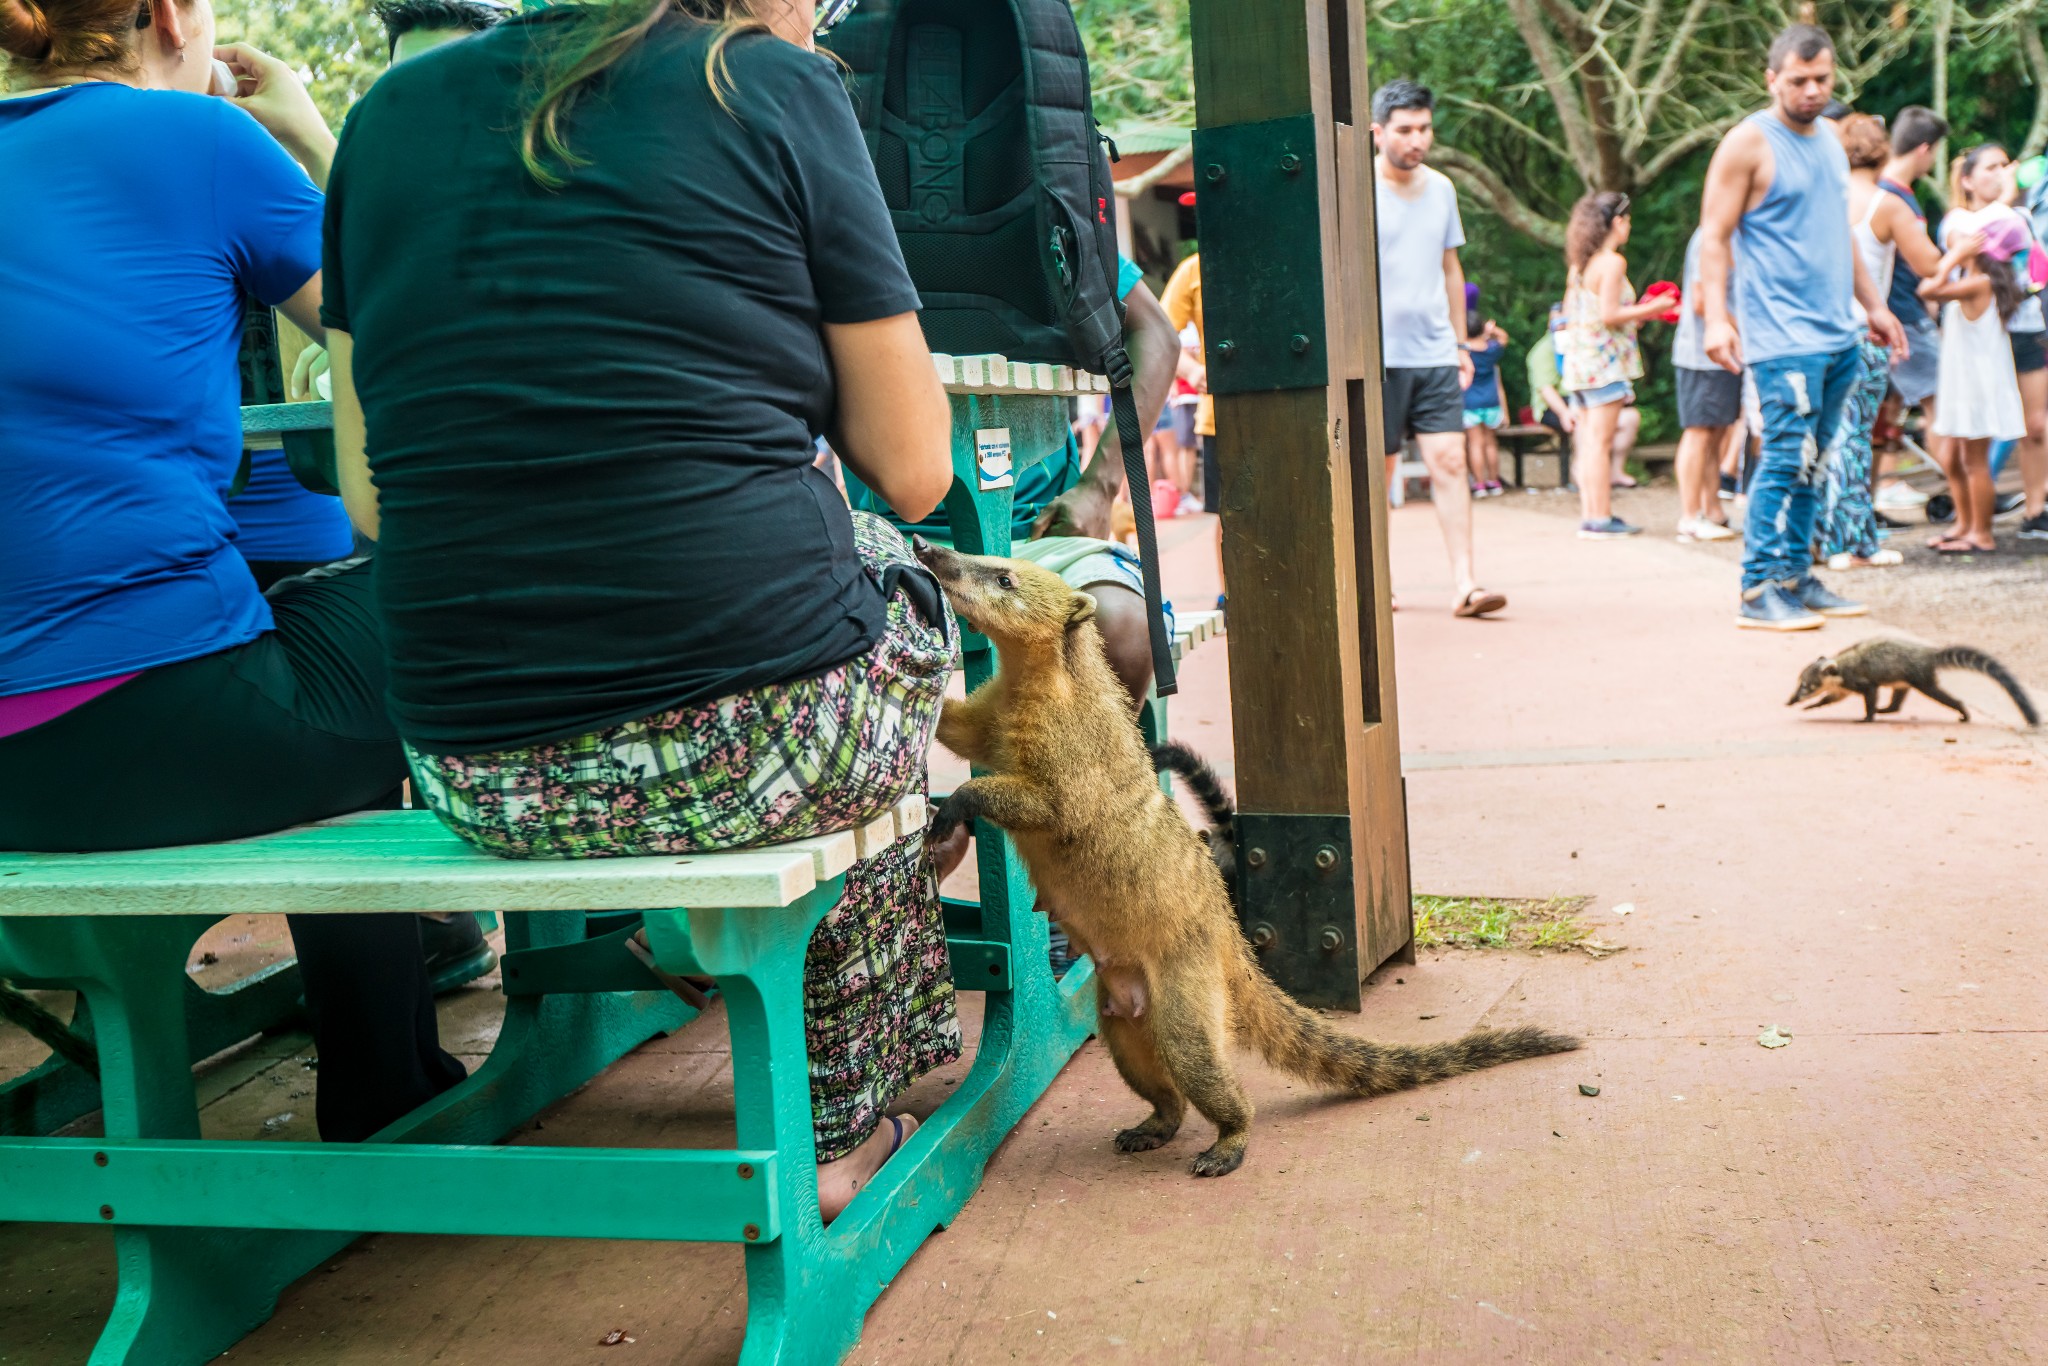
[406, 861]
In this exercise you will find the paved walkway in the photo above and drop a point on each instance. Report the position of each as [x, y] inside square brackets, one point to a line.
[1874, 1192]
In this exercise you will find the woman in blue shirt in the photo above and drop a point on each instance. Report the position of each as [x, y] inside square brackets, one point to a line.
[156, 695]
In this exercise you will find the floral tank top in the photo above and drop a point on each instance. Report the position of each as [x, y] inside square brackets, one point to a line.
[1592, 353]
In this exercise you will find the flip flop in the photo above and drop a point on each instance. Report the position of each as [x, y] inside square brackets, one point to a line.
[1963, 548]
[696, 991]
[1478, 603]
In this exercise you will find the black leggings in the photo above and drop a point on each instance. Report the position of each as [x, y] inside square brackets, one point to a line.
[288, 728]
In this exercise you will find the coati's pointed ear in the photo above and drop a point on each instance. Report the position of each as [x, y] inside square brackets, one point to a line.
[1828, 667]
[1080, 610]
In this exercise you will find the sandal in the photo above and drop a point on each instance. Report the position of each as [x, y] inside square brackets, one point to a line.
[695, 991]
[1478, 603]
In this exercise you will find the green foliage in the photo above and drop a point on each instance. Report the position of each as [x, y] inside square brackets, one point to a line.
[1141, 61]
[337, 48]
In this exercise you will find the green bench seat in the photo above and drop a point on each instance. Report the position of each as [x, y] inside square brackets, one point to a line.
[209, 1232]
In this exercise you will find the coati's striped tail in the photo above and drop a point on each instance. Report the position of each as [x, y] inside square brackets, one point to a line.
[1975, 660]
[1295, 1039]
[1202, 782]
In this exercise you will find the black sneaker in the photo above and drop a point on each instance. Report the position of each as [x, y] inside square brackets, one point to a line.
[2035, 528]
[456, 950]
[1814, 596]
[1768, 607]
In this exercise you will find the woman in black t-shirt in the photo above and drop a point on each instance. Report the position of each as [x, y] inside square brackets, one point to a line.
[587, 361]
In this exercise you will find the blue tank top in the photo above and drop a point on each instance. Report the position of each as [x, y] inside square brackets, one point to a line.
[1795, 282]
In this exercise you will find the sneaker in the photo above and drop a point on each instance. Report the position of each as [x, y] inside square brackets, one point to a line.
[1685, 529]
[456, 951]
[2035, 528]
[1494, 489]
[1705, 530]
[1189, 505]
[1895, 496]
[1768, 607]
[1613, 529]
[1814, 596]
[2006, 504]
[1727, 488]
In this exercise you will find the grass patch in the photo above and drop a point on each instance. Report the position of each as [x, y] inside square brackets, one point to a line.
[1486, 922]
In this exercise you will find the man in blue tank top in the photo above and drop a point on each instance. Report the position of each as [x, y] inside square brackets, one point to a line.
[1776, 202]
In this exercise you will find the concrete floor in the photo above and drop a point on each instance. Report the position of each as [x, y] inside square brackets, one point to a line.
[1874, 1192]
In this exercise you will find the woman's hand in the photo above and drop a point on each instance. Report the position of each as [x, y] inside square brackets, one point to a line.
[274, 96]
[306, 372]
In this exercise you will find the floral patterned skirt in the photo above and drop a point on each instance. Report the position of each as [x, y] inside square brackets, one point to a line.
[778, 763]
[1847, 523]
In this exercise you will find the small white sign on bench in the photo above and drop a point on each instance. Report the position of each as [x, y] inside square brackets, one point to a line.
[992, 458]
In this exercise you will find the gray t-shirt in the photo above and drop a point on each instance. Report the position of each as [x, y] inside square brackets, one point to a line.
[1415, 313]
[1689, 338]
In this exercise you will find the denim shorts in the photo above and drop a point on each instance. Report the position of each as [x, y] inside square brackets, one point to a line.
[1618, 392]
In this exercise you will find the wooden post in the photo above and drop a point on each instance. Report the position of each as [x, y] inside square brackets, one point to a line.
[1283, 173]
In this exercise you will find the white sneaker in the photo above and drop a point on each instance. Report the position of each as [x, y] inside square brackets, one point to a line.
[1704, 530]
[1895, 496]
[1685, 530]
[1189, 505]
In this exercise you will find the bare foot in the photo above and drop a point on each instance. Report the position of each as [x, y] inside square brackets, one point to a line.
[842, 1179]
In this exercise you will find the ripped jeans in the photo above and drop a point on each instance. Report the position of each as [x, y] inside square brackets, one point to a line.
[1801, 398]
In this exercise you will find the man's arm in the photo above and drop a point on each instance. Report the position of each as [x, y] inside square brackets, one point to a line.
[1909, 235]
[1731, 176]
[1154, 346]
[1454, 294]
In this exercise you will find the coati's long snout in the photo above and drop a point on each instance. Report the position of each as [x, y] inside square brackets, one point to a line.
[1004, 599]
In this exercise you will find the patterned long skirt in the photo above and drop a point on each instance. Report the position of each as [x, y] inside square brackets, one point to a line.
[1847, 523]
[779, 763]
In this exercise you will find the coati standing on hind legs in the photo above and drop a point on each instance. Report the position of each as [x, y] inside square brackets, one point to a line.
[1886, 662]
[1069, 778]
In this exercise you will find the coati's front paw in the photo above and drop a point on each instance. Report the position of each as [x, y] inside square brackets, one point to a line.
[1218, 1161]
[1143, 1139]
[953, 813]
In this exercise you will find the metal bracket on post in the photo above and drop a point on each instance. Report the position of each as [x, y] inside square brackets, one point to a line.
[1296, 902]
[1261, 219]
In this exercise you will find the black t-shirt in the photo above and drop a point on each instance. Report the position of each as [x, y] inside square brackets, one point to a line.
[590, 411]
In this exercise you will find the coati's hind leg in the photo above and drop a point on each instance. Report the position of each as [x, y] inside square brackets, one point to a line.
[1137, 1061]
[1898, 700]
[1188, 1030]
[1934, 691]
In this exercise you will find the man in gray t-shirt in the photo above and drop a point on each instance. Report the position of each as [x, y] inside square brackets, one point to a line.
[1422, 319]
[1709, 413]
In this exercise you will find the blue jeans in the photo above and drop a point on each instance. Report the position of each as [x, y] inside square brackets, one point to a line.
[1801, 398]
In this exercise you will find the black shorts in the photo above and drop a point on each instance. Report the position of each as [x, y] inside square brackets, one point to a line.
[1420, 402]
[2029, 351]
[1708, 398]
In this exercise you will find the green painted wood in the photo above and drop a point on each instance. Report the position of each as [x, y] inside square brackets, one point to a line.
[602, 963]
[979, 964]
[315, 416]
[698, 1195]
[188, 1291]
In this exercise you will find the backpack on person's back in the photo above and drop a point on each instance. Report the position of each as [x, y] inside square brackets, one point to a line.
[979, 117]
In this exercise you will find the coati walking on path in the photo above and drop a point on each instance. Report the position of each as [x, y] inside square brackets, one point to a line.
[1886, 662]
[1070, 780]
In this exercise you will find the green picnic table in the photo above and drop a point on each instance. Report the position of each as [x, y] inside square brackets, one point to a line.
[207, 1233]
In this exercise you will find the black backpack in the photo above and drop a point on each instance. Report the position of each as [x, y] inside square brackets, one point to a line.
[982, 128]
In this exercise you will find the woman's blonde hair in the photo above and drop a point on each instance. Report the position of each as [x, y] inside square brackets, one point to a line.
[1959, 170]
[585, 47]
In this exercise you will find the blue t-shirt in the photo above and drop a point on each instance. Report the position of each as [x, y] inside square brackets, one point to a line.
[278, 518]
[134, 223]
[1036, 486]
[1483, 391]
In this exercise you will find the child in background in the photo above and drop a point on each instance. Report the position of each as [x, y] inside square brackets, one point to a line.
[1978, 399]
[1486, 404]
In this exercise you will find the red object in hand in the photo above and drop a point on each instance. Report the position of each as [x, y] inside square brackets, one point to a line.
[1165, 499]
[1663, 288]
